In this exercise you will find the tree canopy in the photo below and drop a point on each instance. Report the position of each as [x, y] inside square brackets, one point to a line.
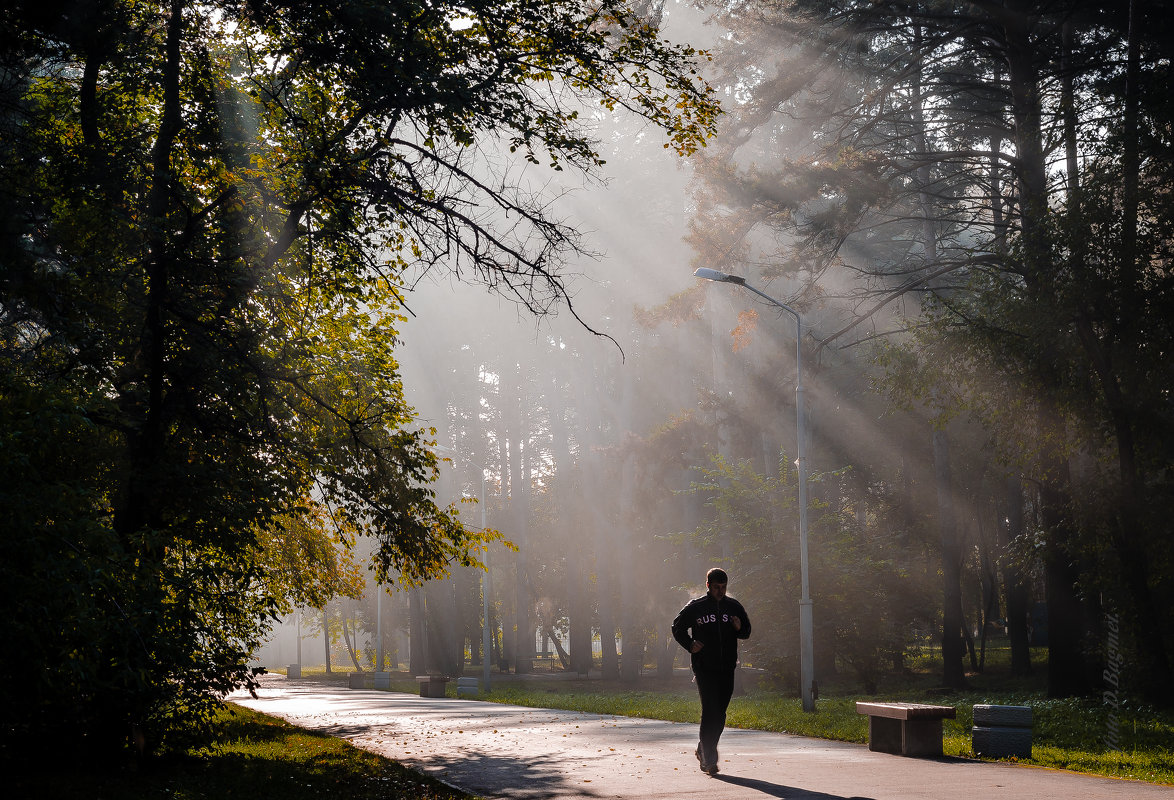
[985, 183]
[209, 210]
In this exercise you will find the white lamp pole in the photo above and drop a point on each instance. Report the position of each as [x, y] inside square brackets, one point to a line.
[806, 624]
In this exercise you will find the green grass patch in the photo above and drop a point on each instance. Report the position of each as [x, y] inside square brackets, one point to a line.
[319, 673]
[1067, 734]
[650, 705]
[254, 756]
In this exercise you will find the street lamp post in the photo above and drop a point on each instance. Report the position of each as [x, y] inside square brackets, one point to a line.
[806, 625]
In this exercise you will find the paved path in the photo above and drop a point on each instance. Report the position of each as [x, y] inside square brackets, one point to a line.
[500, 751]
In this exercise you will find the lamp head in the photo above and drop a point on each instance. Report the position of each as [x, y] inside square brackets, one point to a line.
[721, 277]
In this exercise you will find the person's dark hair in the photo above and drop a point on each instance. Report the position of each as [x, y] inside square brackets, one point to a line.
[716, 575]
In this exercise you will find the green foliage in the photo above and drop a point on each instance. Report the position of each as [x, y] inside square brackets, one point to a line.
[307, 559]
[207, 214]
[995, 197]
[868, 599]
[251, 755]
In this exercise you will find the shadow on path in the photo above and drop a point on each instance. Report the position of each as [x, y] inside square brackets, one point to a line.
[778, 790]
[346, 731]
[507, 775]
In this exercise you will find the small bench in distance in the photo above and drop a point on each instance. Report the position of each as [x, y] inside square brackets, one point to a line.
[907, 729]
[432, 685]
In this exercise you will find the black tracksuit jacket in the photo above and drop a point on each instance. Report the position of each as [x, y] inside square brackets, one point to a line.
[707, 621]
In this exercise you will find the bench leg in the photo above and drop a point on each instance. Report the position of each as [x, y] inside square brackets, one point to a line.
[884, 735]
[921, 737]
[432, 689]
[917, 737]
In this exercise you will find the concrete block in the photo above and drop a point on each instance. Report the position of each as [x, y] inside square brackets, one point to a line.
[986, 716]
[1002, 742]
[431, 685]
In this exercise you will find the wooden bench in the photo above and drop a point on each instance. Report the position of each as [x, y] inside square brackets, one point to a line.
[432, 685]
[907, 729]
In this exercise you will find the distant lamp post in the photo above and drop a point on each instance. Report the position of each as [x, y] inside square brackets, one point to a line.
[806, 646]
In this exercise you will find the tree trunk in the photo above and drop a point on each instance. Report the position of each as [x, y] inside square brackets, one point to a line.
[968, 640]
[519, 498]
[417, 633]
[608, 566]
[606, 562]
[563, 657]
[666, 655]
[146, 440]
[505, 658]
[326, 635]
[998, 219]
[607, 637]
[990, 579]
[1071, 148]
[350, 647]
[579, 609]
[1130, 159]
[1031, 169]
[445, 631]
[470, 609]
[952, 674]
[1067, 671]
[631, 631]
[572, 517]
[497, 642]
[390, 645]
[1013, 582]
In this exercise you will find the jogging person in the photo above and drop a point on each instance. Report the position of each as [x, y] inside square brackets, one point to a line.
[709, 628]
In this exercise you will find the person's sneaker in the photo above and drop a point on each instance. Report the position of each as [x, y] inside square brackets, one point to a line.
[712, 768]
[708, 769]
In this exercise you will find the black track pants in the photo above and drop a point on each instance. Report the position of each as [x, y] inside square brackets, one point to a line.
[715, 689]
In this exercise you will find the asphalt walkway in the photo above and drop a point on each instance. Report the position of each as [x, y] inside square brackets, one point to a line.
[500, 751]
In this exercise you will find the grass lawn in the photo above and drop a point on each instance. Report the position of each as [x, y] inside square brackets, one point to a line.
[255, 757]
[1067, 734]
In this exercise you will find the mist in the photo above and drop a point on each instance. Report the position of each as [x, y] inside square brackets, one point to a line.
[641, 428]
[609, 428]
